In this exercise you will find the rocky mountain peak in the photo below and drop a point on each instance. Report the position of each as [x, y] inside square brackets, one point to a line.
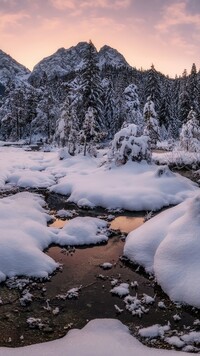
[10, 69]
[110, 56]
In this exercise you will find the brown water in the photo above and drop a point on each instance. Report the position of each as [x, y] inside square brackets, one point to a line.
[122, 223]
[126, 223]
[59, 223]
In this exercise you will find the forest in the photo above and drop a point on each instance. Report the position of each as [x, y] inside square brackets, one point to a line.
[80, 95]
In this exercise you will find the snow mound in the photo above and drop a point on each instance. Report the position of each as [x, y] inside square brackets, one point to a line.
[23, 236]
[82, 231]
[31, 179]
[133, 186]
[168, 245]
[100, 337]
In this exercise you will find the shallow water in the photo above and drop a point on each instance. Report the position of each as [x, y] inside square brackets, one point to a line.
[126, 223]
[122, 223]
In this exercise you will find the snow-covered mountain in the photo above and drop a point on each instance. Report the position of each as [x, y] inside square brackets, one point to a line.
[61, 63]
[65, 61]
[10, 70]
[110, 56]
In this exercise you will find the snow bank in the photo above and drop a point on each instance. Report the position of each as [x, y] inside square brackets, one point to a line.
[30, 179]
[103, 337]
[24, 235]
[177, 157]
[26, 169]
[82, 231]
[168, 245]
[134, 186]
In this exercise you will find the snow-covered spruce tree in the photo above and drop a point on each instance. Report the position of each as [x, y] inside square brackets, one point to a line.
[110, 107]
[164, 114]
[152, 87]
[184, 99]
[17, 113]
[47, 115]
[129, 145]
[174, 123]
[91, 88]
[88, 135]
[66, 134]
[190, 133]
[63, 125]
[131, 107]
[73, 138]
[192, 88]
[151, 128]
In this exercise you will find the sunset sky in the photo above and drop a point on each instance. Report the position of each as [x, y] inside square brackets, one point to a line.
[163, 32]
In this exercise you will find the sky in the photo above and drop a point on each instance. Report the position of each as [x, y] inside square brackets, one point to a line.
[165, 33]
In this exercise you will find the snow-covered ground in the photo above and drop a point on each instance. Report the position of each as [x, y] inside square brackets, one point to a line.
[178, 158]
[168, 245]
[100, 337]
[24, 233]
[134, 186]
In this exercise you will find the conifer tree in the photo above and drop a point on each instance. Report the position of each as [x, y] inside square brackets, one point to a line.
[91, 88]
[190, 133]
[152, 87]
[88, 134]
[110, 110]
[66, 133]
[131, 107]
[192, 88]
[129, 145]
[184, 99]
[151, 123]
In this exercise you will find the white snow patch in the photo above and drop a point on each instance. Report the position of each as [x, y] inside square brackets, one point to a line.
[175, 341]
[104, 337]
[154, 331]
[121, 290]
[82, 231]
[168, 246]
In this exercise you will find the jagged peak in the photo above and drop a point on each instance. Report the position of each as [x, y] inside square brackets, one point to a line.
[109, 55]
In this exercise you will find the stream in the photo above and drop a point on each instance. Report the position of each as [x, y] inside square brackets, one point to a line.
[52, 310]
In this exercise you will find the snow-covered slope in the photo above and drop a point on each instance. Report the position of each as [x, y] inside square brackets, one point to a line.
[62, 62]
[65, 61]
[10, 70]
[110, 56]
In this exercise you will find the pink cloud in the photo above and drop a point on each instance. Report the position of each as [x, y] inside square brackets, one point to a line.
[116, 4]
[64, 4]
[176, 14]
[10, 20]
[76, 4]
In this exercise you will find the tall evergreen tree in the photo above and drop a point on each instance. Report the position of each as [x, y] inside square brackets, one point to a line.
[88, 134]
[184, 102]
[151, 123]
[192, 88]
[190, 133]
[152, 88]
[110, 107]
[91, 88]
[131, 107]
